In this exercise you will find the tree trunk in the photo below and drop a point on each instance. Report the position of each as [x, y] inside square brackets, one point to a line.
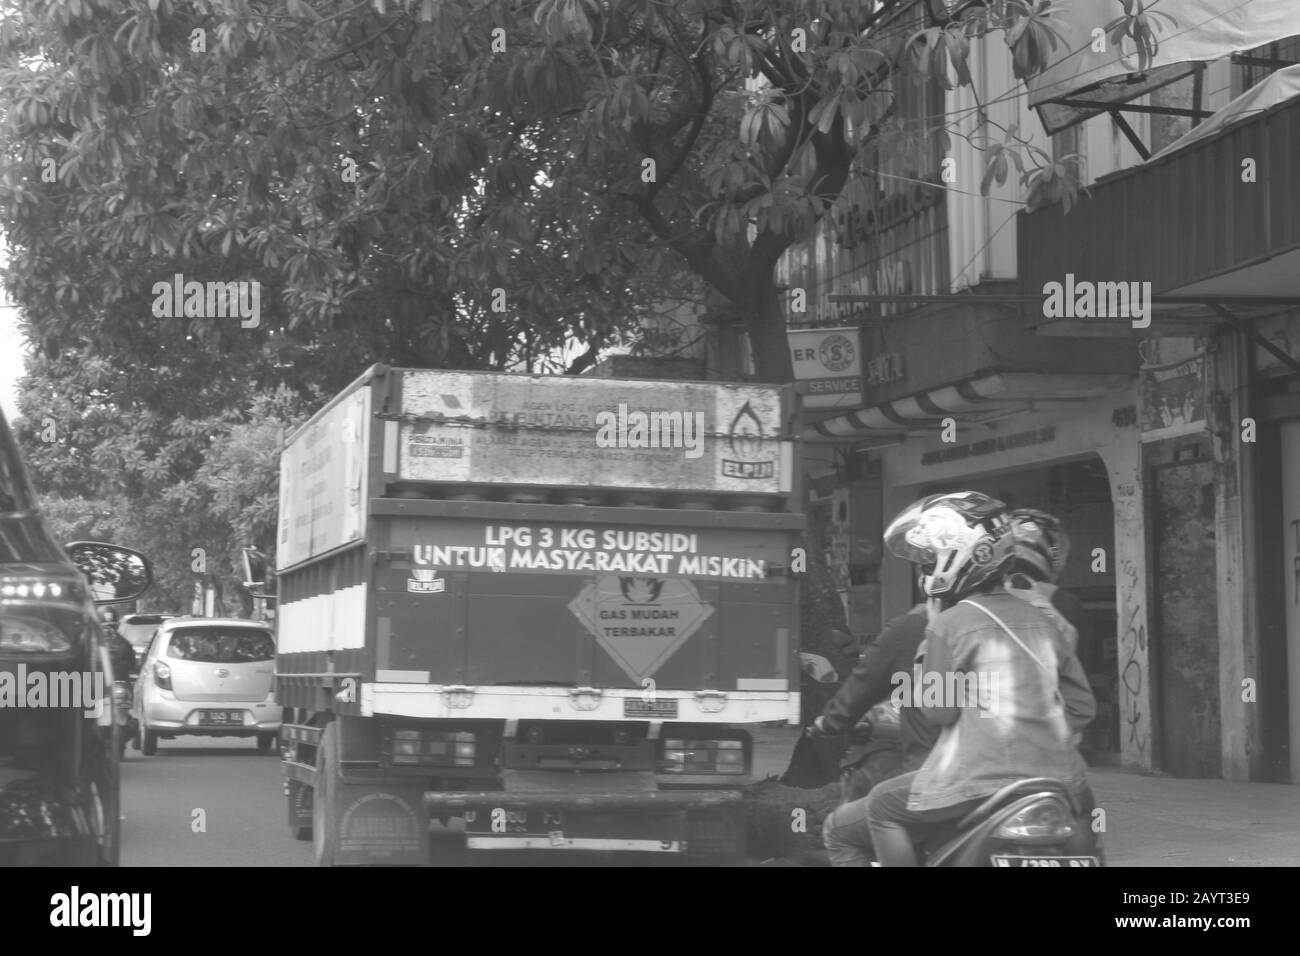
[765, 319]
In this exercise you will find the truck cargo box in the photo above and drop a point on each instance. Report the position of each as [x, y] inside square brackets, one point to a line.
[476, 544]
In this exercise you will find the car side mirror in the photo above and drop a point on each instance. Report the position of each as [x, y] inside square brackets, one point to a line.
[115, 574]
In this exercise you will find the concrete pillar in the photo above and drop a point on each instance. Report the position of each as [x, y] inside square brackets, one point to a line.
[1123, 460]
[1235, 493]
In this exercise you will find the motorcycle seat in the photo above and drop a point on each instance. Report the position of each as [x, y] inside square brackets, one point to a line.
[1012, 790]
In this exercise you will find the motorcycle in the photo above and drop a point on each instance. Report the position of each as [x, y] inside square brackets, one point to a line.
[1032, 822]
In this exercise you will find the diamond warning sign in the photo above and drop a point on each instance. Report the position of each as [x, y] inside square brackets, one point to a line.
[640, 621]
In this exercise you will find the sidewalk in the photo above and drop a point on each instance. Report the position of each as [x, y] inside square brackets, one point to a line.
[1154, 820]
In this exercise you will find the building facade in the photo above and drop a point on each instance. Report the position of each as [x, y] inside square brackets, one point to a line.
[1181, 550]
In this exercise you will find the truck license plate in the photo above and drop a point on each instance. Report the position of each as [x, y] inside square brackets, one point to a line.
[567, 830]
[636, 707]
[1000, 860]
[221, 717]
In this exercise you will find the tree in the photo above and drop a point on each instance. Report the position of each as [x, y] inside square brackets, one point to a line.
[456, 183]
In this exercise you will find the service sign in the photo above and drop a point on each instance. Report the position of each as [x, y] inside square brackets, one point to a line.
[322, 483]
[570, 431]
[828, 366]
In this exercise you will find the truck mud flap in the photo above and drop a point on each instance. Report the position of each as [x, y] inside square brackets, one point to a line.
[359, 821]
[380, 824]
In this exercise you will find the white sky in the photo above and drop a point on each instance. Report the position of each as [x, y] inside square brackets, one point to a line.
[12, 351]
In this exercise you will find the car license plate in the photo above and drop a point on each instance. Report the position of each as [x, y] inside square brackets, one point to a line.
[221, 717]
[1045, 861]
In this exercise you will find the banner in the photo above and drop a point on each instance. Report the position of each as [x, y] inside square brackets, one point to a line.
[570, 431]
[1173, 399]
[322, 482]
[1202, 30]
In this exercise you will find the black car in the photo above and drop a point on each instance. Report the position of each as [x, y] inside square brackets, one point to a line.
[58, 757]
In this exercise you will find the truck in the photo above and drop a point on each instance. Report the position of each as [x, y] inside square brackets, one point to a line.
[544, 607]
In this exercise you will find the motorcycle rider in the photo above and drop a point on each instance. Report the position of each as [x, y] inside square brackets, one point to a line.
[120, 650]
[1042, 695]
[1042, 548]
[870, 683]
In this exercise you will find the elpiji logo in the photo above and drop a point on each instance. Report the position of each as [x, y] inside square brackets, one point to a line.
[426, 581]
[641, 590]
[746, 441]
[208, 300]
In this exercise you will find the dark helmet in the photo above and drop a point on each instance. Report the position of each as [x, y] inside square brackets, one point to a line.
[1041, 544]
[965, 536]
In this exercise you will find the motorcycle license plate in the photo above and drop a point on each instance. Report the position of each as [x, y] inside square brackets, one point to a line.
[221, 717]
[1058, 861]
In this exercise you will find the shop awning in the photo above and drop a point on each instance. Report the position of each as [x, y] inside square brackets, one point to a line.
[1279, 87]
[973, 401]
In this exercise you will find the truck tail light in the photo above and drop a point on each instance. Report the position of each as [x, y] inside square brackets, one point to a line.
[704, 756]
[431, 748]
[162, 675]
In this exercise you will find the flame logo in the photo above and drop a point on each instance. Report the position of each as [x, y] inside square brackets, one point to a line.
[746, 434]
[641, 590]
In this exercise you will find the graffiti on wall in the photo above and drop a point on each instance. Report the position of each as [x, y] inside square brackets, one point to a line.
[1136, 738]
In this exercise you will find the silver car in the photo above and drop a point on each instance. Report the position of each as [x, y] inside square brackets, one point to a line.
[209, 677]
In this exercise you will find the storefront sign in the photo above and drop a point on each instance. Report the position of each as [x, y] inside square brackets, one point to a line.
[1037, 436]
[1173, 399]
[828, 366]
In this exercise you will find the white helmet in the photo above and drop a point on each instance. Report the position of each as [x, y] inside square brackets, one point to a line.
[965, 535]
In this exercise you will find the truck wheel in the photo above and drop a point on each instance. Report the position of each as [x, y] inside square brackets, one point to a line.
[148, 743]
[298, 796]
[265, 742]
[324, 822]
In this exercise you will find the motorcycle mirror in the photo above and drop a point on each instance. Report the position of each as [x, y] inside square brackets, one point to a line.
[258, 576]
[115, 574]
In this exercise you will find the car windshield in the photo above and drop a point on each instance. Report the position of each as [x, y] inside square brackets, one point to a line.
[221, 645]
[140, 628]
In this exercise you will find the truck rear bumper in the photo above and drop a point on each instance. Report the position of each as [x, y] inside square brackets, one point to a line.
[663, 801]
[415, 696]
